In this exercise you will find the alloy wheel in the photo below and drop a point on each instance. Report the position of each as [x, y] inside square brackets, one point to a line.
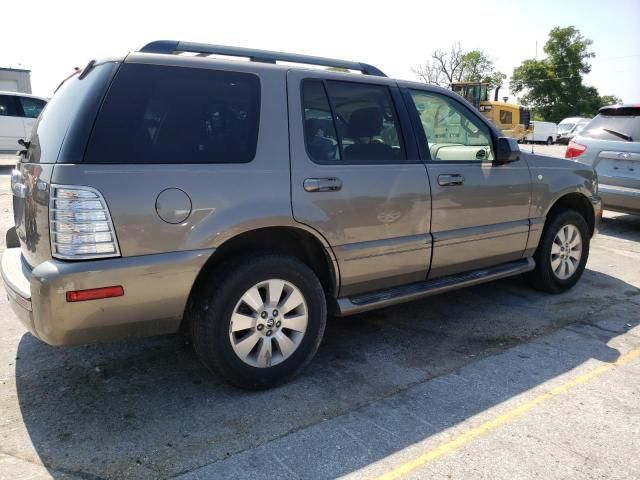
[268, 323]
[566, 251]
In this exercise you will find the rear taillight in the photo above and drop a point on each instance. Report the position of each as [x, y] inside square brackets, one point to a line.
[80, 224]
[574, 150]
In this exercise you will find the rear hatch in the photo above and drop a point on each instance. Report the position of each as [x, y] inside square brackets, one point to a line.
[614, 138]
[59, 136]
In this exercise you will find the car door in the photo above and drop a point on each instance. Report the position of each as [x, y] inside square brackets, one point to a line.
[480, 209]
[11, 127]
[357, 179]
[29, 109]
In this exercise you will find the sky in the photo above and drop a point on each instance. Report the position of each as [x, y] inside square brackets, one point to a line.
[55, 36]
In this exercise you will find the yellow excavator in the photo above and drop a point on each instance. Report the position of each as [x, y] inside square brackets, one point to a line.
[513, 120]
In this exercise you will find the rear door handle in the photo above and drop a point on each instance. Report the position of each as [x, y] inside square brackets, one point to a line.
[449, 180]
[329, 184]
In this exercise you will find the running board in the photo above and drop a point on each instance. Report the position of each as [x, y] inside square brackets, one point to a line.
[414, 291]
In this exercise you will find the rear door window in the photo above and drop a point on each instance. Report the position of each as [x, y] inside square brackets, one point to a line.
[160, 114]
[349, 122]
[320, 132]
[367, 123]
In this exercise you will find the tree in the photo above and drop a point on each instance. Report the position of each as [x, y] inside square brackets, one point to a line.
[606, 100]
[553, 86]
[456, 65]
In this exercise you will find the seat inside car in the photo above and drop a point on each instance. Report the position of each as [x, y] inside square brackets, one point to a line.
[364, 125]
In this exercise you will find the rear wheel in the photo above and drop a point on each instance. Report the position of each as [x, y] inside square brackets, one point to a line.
[259, 321]
[562, 253]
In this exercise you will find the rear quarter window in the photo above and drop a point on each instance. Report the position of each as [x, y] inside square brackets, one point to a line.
[161, 114]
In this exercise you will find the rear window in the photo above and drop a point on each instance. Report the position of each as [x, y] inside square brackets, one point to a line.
[615, 126]
[160, 114]
[31, 107]
[68, 118]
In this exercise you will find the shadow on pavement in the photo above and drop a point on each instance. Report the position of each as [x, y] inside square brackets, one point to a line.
[147, 408]
[622, 226]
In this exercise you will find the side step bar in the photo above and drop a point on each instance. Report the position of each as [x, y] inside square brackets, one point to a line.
[414, 291]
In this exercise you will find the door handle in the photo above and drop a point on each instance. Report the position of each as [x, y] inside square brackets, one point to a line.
[449, 180]
[329, 184]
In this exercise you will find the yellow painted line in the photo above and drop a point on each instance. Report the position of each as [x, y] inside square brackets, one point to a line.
[495, 422]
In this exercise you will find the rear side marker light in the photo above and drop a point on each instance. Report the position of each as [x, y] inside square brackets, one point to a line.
[95, 294]
[574, 150]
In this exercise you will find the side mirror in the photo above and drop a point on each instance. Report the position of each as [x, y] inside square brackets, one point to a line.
[23, 143]
[508, 150]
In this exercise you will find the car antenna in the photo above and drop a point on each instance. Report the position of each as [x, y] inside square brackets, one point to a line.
[533, 131]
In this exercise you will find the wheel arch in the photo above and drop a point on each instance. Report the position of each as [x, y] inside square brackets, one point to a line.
[575, 201]
[287, 240]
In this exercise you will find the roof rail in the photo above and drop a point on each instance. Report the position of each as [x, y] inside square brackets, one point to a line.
[265, 56]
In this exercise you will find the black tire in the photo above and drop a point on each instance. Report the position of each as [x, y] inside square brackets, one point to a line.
[214, 303]
[543, 277]
[549, 141]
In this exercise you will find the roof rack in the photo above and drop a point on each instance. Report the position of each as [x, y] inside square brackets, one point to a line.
[264, 56]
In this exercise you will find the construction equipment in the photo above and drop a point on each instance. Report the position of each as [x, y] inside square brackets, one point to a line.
[513, 120]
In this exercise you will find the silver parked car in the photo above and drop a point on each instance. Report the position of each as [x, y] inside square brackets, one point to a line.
[611, 144]
[242, 201]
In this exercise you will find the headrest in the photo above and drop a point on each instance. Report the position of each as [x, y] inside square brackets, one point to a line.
[366, 122]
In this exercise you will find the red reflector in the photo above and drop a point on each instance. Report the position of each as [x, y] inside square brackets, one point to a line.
[574, 150]
[95, 294]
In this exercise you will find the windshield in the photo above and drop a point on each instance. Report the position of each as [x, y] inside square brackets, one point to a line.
[565, 127]
[607, 127]
[472, 93]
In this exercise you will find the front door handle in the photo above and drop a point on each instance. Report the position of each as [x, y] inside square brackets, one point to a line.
[448, 180]
[329, 184]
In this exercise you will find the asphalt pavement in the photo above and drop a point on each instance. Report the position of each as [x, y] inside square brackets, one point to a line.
[496, 381]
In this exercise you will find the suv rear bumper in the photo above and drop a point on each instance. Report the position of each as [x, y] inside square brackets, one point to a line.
[620, 199]
[156, 289]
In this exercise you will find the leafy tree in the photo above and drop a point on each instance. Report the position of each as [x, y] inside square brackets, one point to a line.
[554, 86]
[456, 65]
[606, 100]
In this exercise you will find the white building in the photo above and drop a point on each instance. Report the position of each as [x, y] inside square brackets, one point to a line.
[15, 80]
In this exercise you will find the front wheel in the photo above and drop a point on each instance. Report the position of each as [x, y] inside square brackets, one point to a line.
[259, 321]
[562, 253]
[549, 141]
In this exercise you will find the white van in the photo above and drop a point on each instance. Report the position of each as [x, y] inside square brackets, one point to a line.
[18, 114]
[570, 127]
[543, 132]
